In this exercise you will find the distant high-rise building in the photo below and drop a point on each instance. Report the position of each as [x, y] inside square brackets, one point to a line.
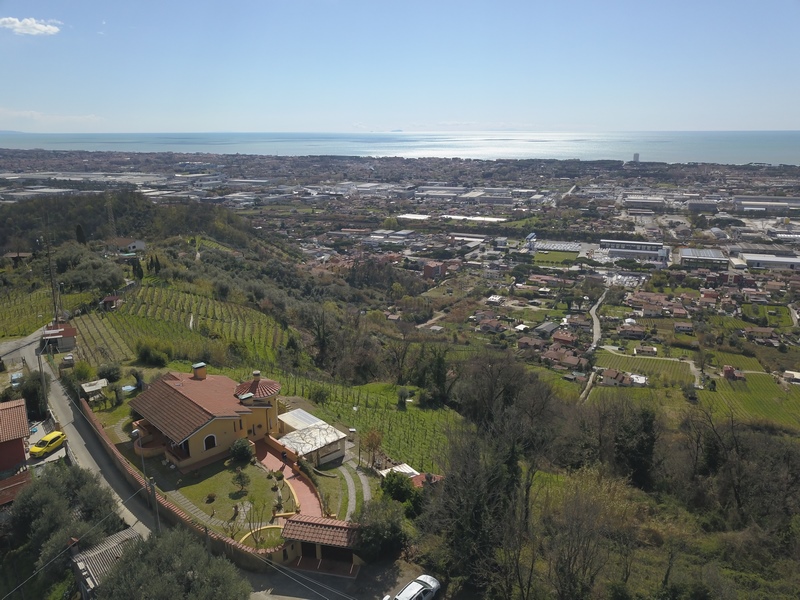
[636, 157]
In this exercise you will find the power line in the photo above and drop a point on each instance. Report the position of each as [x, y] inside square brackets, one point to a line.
[285, 571]
[43, 567]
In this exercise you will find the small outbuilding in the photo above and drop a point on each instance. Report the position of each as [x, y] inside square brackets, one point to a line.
[322, 540]
[311, 437]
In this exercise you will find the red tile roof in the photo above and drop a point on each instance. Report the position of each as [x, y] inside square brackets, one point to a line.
[421, 480]
[260, 388]
[179, 404]
[11, 486]
[13, 421]
[319, 530]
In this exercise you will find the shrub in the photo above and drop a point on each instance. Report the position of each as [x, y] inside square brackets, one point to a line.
[241, 479]
[319, 395]
[112, 372]
[241, 451]
[382, 532]
[306, 468]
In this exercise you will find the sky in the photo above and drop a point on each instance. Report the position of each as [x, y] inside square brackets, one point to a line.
[414, 65]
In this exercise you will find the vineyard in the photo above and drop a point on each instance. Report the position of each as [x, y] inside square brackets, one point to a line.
[757, 398]
[195, 326]
[670, 371]
[417, 436]
[23, 313]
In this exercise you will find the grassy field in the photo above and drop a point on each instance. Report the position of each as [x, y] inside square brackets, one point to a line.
[776, 315]
[553, 257]
[669, 371]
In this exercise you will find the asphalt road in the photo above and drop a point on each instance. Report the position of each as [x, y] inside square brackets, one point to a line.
[272, 585]
[82, 440]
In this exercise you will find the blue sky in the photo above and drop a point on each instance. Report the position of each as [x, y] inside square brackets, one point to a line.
[379, 65]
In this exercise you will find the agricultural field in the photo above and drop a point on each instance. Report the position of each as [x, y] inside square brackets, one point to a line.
[759, 398]
[669, 372]
[151, 311]
[23, 313]
[739, 361]
[728, 324]
[99, 341]
[416, 435]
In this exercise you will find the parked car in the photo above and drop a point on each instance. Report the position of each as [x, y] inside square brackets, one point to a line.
[16, 380]
[423, 587]
[48, 444]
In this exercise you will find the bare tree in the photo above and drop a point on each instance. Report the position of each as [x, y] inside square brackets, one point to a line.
[577, 522]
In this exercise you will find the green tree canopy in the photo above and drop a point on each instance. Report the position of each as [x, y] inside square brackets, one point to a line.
[171, 566]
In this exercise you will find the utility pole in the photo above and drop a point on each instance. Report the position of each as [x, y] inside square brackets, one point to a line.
[153, 493]
[53, 289]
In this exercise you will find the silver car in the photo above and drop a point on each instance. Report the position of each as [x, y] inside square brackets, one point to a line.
[423, 587]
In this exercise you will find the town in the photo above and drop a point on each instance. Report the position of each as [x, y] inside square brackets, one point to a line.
[380, 298]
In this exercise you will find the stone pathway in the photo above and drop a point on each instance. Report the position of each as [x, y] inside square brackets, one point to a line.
[364, 481]
[351, 492]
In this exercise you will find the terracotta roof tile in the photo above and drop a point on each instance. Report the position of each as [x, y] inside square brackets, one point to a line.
[11, 486]
[319, 530]
[179, 404]
[260, 388]
[13, 421]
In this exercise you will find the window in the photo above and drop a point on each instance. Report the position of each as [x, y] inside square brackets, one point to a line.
[210, 442]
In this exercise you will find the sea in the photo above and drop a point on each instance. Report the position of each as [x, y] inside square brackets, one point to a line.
[722, 147]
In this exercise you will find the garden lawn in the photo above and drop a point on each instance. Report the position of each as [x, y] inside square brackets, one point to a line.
[217, 478]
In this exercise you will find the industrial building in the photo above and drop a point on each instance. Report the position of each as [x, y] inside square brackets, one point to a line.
[703, 258]
[771, 262]
[652, 251]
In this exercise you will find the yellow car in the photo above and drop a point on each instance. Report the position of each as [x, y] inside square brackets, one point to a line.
[49, 443]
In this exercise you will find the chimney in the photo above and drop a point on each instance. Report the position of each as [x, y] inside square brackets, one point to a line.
[256, 375]
[199, 371]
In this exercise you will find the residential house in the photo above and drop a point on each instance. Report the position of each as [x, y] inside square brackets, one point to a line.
[759, 333]
[645, 351]
[126, 245]
[732, 373]
[434, 270]
[651, 310]
[194, 420]
[527, 343]
[14, 431]
[565, 338]
[683, 327]
[491, 326]
[631, 332]
[614, 378]
[755, 296]
[580, 322]
[546, 329]
[93, 565]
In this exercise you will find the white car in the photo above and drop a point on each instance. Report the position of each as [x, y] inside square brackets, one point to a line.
[423, 587]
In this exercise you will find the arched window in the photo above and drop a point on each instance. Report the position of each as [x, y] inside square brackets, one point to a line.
[210, 442]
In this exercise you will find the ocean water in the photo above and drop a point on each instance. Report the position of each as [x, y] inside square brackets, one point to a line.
[724, 147]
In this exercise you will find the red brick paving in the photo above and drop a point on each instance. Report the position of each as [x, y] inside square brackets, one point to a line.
[306, 495]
